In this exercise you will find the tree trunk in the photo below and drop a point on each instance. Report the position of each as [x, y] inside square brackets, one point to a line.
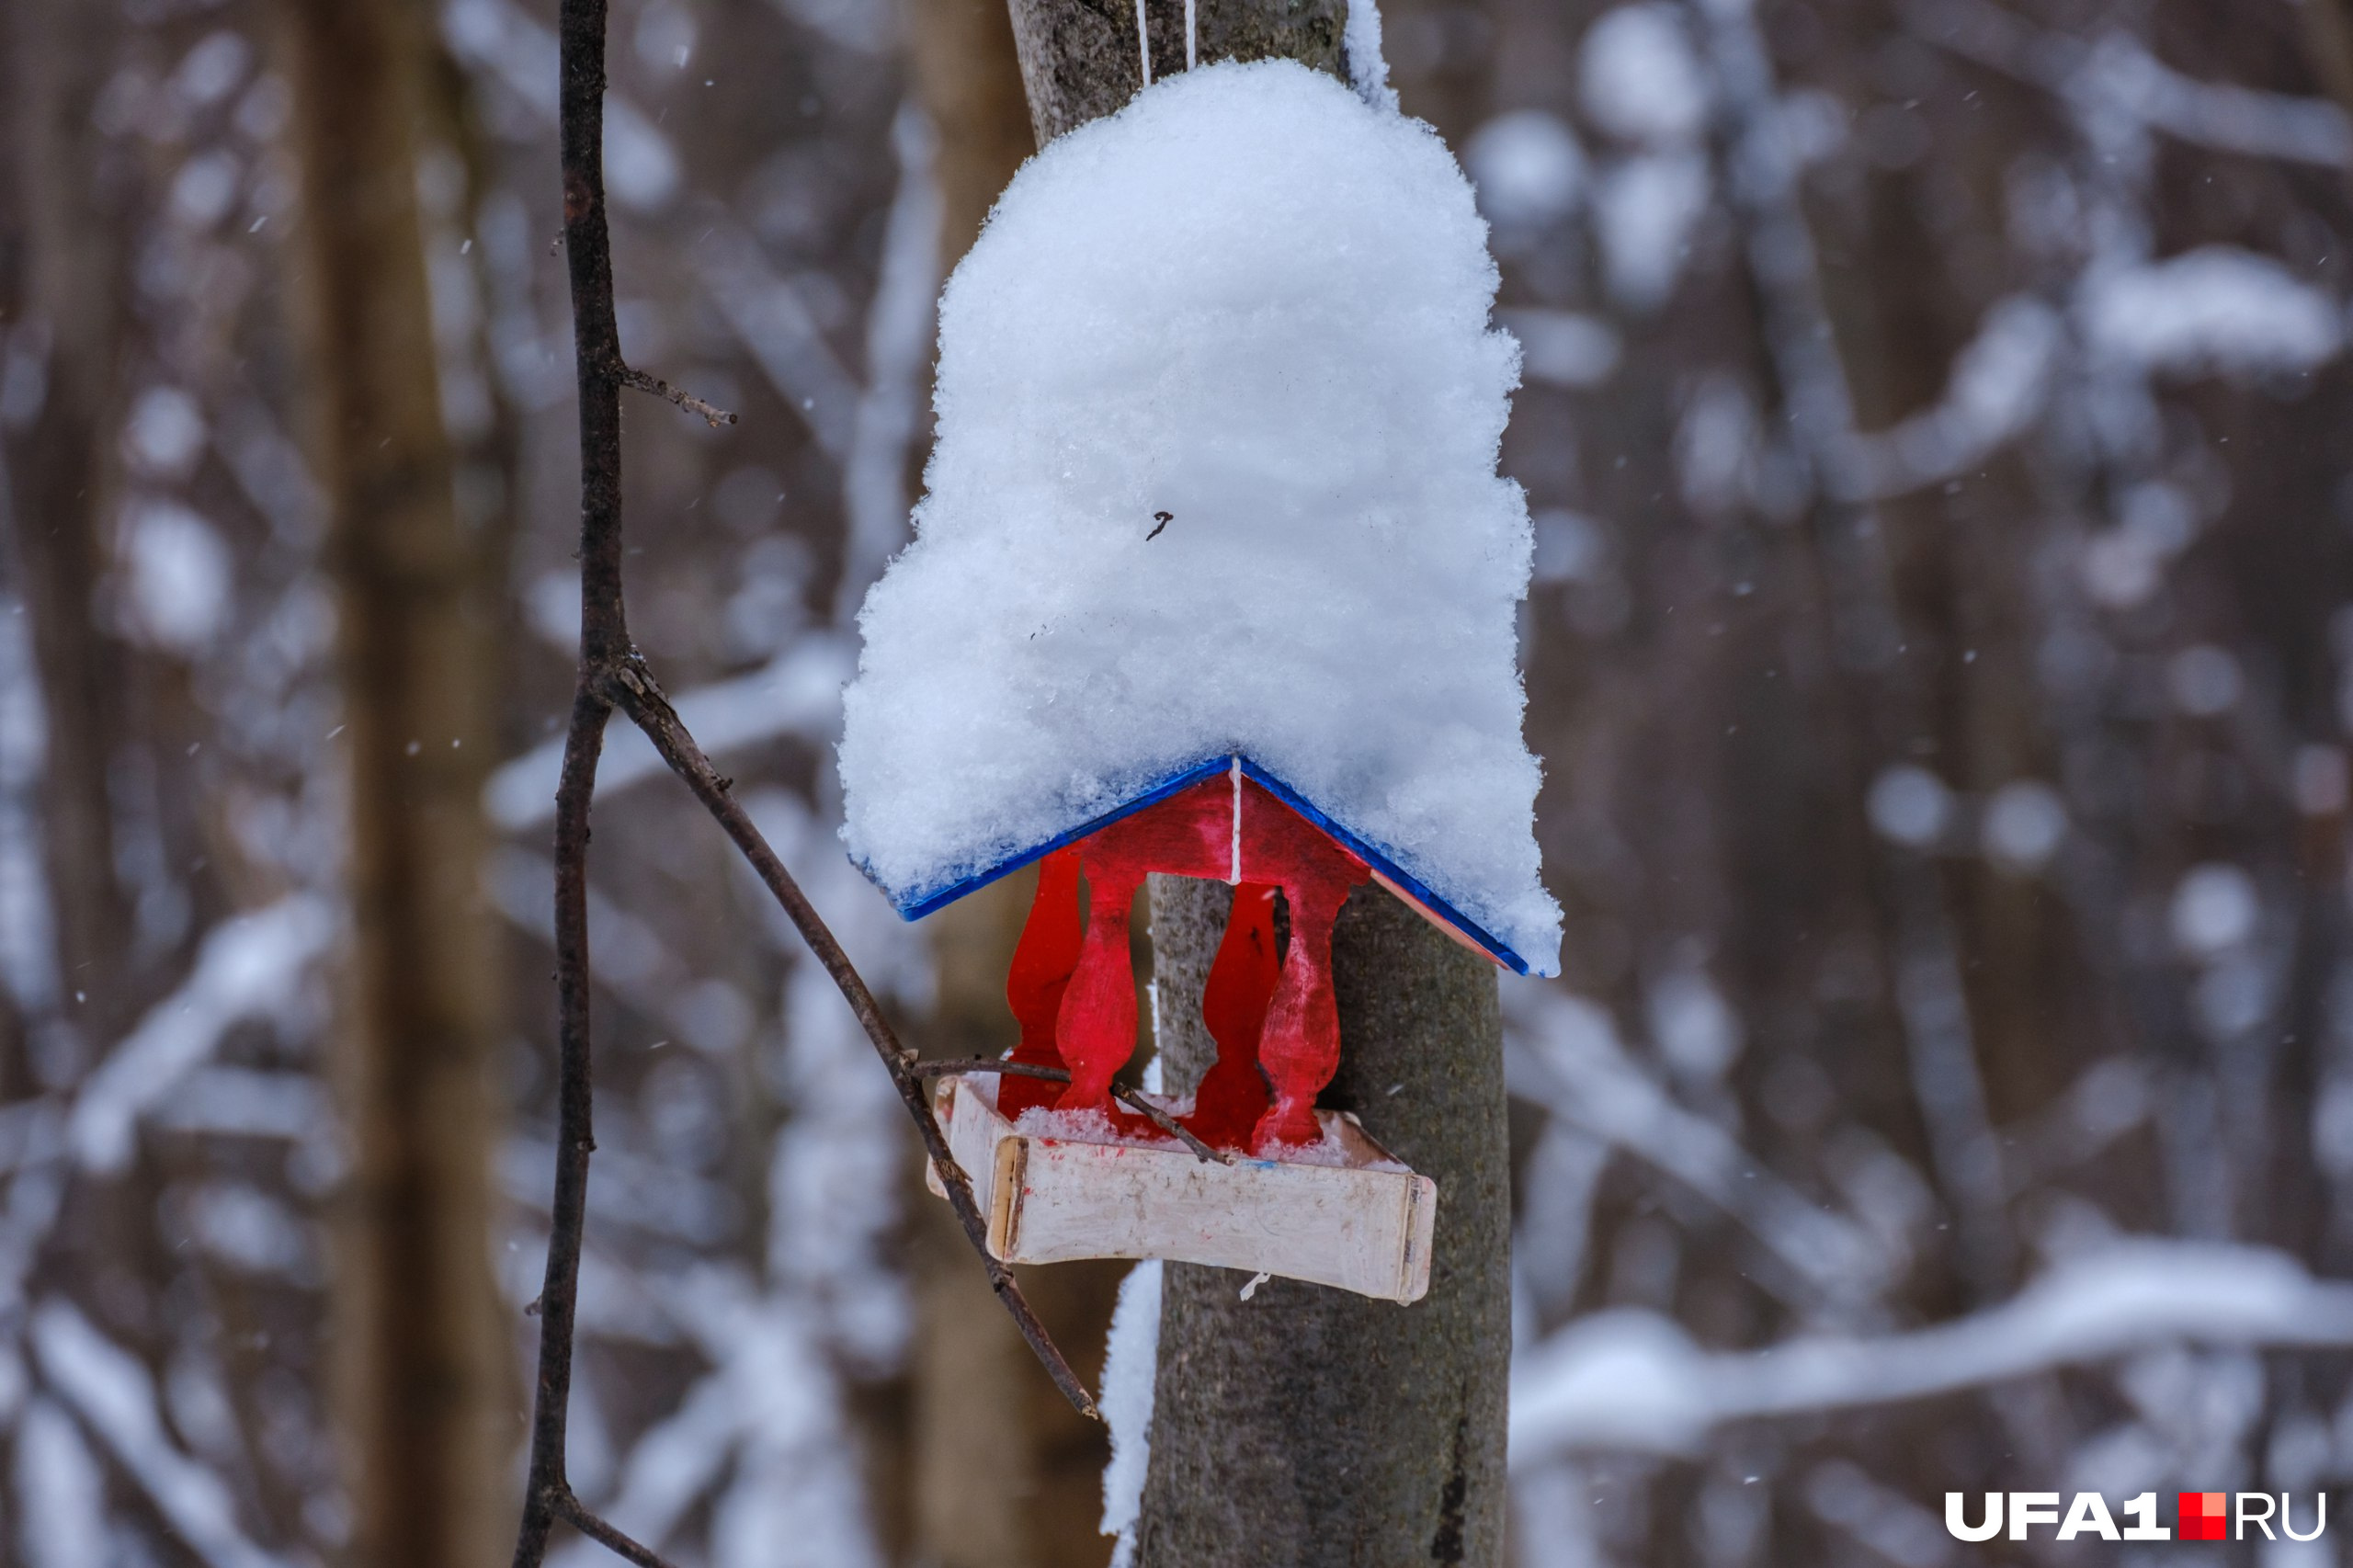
[1310, 1427]
[1080, 62]
[67, 304]
[423, 1344]
[1307, 1426]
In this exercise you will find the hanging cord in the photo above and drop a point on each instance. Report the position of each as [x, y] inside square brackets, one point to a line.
[1192, 38]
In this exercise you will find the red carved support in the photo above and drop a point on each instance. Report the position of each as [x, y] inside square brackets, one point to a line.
[1096, 1030]
[1300, 1047]
[1042, 963]
[1234, 1004]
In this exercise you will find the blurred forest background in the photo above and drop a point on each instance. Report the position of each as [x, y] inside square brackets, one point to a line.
[1935, 421]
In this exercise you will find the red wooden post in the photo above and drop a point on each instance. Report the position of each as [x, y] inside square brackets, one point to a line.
[1300, 1047]
[1234, 1004]
[1096, 1030]
[1042, 963]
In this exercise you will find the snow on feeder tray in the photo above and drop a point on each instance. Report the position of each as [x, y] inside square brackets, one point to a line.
[1213, 577]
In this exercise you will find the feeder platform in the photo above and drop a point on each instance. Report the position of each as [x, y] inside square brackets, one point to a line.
[1363, 1224]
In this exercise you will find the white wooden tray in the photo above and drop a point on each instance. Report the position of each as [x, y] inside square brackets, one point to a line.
[1355, 1226]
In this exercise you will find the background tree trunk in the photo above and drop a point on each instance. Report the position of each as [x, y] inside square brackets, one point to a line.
[1005, 1474]
[969, 80]
[423, 1344]
[67, 299]
[1306, 1426]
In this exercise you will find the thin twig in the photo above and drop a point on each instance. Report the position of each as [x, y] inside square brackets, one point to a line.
[1169, 1123]
[1128, 1097]
[712, 415]
[633, 690]
[948, 1069]
[572, 1512]
[610, 676]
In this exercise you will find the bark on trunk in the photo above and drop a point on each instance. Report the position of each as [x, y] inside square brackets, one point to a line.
[1080, 60]
[1308, 1426]
[423, 1344]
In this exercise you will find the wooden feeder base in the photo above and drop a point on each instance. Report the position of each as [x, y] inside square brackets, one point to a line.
[1355, 1226]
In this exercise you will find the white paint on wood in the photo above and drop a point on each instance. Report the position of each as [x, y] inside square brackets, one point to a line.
[1353, 1226]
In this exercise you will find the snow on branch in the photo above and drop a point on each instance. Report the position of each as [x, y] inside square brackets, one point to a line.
[2117, 74]
[1629, 1379]
[2215, 308]
[1996, 388]
[1130, 1362]
[114, 1395]
[1563, 1053]
[770, 1412]
[2221, 115]
[245, 1102]
[247, 967]
[60, 1491]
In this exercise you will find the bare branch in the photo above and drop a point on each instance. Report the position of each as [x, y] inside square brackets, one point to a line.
[633, 690]
[712, 415]
[1169, 1123]
[572, 1512]
[950, 1068]
[610, 674]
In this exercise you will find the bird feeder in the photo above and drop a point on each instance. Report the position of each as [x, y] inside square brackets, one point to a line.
[1219, 402]
[1063, 1171]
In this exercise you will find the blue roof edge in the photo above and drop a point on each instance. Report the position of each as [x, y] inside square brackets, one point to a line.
[922, 901]
[1382, 862]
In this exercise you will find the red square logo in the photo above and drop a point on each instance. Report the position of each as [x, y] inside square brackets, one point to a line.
[2204, 1516]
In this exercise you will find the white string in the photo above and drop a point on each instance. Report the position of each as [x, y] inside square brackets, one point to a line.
[1144, 44]
[1191, 40]
[1236, 876]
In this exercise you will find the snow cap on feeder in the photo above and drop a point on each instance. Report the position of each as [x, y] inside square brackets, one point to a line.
[1219, 409]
